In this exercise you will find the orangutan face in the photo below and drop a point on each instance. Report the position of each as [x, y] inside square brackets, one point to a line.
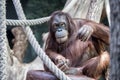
[60, 27]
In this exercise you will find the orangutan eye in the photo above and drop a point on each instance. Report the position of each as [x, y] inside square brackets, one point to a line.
[62, 24]
[55, 25]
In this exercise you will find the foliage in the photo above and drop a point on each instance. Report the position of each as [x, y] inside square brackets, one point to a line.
[40, 8]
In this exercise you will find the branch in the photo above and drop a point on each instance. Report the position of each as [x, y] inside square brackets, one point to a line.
[20, 43]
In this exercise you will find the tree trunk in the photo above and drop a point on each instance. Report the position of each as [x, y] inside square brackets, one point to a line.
[115, 40]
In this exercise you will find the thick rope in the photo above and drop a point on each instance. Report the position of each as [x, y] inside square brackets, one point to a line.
[36, 21]
[36, 46]
[3, 43]
[27, 22]
[95, 8]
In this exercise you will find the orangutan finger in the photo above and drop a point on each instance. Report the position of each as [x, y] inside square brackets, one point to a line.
[67, 62]
[90, 33]
[80, 33]
[85, 36]
[64, 67]
[60, 64]
[88, 36]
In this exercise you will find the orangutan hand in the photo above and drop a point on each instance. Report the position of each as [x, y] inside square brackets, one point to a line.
[85, 32]
[62, 63]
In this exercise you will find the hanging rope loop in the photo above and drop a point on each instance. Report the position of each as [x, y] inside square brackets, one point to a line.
[33, 22]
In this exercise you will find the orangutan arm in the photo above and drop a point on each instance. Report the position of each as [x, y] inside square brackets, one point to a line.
[90, 28]
[93, 67]
[60, 61]
[100, 31]
[54, 56]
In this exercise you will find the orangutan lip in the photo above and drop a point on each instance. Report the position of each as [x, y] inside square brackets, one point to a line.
[61, 37]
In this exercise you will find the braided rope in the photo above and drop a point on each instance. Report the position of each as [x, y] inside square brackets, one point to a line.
[36, 21]
[3, 45]
[36, 46]
[27, 22]
[94, 13]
